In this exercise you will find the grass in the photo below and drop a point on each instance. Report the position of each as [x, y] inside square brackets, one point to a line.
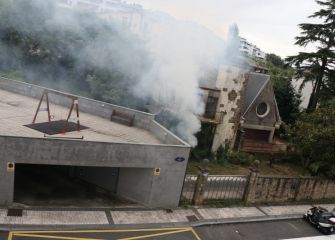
[217, 169]
[231, 169]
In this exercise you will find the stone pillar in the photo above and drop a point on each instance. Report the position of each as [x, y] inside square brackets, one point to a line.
[272, 133]
[249, 195]
[200, 185]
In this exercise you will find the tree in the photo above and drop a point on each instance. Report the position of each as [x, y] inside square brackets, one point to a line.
[288, 99]
[313, 138]
[317, 66]
[89, 57]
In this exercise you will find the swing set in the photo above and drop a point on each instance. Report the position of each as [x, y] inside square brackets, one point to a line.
[74, 104]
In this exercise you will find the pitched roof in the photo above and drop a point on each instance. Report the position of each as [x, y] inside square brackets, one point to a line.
[255, 84]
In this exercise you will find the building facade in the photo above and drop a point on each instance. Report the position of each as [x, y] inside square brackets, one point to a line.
[140, 161]
[242, 110]
[130, 16]
[251, 50]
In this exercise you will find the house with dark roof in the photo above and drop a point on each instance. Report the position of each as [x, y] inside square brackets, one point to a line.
[241, 110]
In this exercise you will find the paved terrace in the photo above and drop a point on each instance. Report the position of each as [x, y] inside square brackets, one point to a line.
[17, 110]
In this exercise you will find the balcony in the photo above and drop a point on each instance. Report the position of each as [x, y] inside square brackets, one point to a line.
[215, 118]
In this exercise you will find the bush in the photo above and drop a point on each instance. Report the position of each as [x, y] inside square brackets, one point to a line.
[240, 158]
[198, 154]
[221, 155]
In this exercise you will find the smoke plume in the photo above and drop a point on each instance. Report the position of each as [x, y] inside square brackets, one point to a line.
[158, 68]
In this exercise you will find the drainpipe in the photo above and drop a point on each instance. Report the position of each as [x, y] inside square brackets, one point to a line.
[242, 132]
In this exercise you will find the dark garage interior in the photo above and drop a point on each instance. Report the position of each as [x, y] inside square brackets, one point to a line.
[43, 185]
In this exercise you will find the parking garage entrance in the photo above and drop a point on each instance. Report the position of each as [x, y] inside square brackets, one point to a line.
[54, 185]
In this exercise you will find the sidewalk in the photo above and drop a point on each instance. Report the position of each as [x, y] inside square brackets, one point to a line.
[127, 217]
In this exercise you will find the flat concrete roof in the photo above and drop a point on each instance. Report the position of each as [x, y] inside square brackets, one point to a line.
[18, 110]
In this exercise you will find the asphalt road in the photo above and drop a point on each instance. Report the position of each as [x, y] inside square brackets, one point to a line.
[272, 230]
[245, 231]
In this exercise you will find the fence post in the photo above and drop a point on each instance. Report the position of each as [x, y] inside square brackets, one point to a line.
[200, 185]
[249, 194]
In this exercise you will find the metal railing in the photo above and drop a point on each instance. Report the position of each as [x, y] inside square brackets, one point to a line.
[218, 187]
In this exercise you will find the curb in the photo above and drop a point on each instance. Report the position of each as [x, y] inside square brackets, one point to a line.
[199, 223]
[246, 220]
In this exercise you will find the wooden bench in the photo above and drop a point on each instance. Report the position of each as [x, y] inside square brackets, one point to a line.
[122, 117]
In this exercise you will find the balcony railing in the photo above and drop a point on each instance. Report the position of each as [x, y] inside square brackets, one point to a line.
[216, 119]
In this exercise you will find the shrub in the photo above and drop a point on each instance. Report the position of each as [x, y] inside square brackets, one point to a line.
[221, 155]
[240, 158]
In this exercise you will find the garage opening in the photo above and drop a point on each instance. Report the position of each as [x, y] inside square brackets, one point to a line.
[50, 185]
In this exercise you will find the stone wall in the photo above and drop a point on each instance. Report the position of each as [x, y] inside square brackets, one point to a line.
[231, 82]
[255, 188]
[272, 189]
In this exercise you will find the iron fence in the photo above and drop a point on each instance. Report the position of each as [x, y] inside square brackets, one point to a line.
[188, 189]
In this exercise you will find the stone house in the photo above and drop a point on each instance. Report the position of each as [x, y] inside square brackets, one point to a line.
[241, 110]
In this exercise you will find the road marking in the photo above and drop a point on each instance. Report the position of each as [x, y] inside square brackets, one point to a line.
[102, 231]
[161, 232]
[10, 236]
[54, 237]
[327, 237]
[195, 234]
[292, 225]
[155, 235]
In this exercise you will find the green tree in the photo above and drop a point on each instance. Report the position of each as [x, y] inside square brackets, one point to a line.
[313, 138]
[317, 66]
[288, 99]
[88, 57]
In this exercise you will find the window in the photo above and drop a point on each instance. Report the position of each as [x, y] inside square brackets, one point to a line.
[210, 108]
[262, 109]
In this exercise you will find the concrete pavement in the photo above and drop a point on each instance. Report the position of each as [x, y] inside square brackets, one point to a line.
[127, 217]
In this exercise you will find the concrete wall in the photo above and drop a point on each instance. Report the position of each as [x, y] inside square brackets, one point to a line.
[136, 184]
[6, 184]
[143, 186]
[166, 187]
[97, 108]
[102, 154]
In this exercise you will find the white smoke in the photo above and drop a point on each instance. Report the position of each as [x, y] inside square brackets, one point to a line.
[181, 52]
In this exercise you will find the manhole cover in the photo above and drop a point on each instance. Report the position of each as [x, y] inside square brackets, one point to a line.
[14, 212]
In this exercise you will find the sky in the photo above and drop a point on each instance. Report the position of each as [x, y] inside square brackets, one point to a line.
[270, 24]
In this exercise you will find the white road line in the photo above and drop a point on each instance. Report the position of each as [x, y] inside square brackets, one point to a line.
[327, 237]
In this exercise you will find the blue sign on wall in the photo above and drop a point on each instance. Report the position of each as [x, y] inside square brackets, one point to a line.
[179, 159]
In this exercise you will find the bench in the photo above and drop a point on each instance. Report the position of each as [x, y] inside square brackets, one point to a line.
[122, 117]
